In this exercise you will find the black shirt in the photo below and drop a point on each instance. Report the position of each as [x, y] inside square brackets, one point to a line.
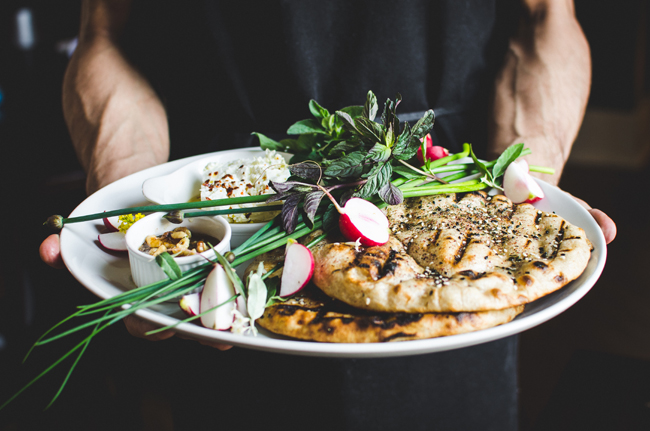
[225, 69]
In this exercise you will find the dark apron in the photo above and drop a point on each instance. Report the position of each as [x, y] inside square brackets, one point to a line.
[226, 69]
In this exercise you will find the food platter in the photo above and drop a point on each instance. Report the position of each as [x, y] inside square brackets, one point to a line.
[107, 275]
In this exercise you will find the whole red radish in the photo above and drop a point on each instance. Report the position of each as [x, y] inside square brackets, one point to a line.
[434, 152]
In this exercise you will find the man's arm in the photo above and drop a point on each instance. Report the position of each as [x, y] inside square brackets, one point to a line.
[116, 121]
[541, 93]
[542, 90]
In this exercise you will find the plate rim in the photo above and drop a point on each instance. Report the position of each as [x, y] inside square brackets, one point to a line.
[284, 345]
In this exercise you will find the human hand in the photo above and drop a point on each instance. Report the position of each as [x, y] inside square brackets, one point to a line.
[604, 221]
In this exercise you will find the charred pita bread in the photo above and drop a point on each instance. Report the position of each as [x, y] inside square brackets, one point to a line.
[455, 253]
[312, 315]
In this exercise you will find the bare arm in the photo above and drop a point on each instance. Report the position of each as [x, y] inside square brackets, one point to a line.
[541, 93]
[116, 121]
[542, 90]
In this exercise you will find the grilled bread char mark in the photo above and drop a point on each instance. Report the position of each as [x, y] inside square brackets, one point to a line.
[312, 316]
[439, 246]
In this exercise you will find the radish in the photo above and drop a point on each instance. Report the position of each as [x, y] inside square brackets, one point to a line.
[112, 223]
[434, 152]
[190, 303]
[114, 241]
[298, 269]
[362, 220]
[217, 290]
[519, 186]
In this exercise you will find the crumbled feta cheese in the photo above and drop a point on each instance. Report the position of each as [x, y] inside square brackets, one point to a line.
[244, 177]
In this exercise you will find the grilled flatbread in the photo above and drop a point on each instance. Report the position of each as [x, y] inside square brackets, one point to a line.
[455, 253]
[311, 315]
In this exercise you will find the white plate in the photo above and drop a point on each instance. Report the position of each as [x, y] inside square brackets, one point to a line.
[107, 275]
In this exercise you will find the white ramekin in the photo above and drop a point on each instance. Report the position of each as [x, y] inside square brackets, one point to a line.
[144, 268]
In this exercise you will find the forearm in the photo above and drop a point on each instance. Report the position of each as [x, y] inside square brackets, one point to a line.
[541, 93]
[116, 121]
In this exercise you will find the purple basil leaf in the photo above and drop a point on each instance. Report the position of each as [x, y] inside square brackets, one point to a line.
[391, 194]
[312, 201]
[290, 212]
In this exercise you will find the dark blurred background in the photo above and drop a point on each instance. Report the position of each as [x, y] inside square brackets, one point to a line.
[586, 369]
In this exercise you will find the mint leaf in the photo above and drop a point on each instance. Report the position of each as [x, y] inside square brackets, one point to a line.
[508, 156]
[424, 125]
[269, 144]
[306, 126]
[379, 153]
[378, 176]
[371, 107]
[350, 165]
[317, 110]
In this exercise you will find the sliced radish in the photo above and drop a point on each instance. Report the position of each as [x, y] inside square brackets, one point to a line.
[112, 223]
[241, 306]
[298, 269]
[190, 303]
[114, 241]
[519, 186]
[361, 220]
[434, 152]
[217, 290]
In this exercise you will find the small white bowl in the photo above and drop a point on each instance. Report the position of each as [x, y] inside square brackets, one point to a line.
[144, 268]
[183, 185]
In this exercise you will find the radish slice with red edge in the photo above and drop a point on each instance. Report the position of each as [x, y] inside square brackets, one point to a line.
[190, 303]
[362, 220]
[519, 186]
[298, 269]
[114, 241]
[217, 290]
[112, 223]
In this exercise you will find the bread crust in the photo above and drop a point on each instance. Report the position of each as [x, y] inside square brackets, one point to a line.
[456, 253]
[314, 317]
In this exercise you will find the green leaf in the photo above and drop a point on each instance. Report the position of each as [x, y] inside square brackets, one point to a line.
[487, 177]
[408, 148]
[343, 147]
[379, 153]
[268, 143]
[508, 156]
[317, 110]
[352, 111]
[371, 107]
[369, 130]
[378, 177]
[169, 266]
[306, 126]
[424, 125]
[350, 165]
[348, 121]
[256, 294]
